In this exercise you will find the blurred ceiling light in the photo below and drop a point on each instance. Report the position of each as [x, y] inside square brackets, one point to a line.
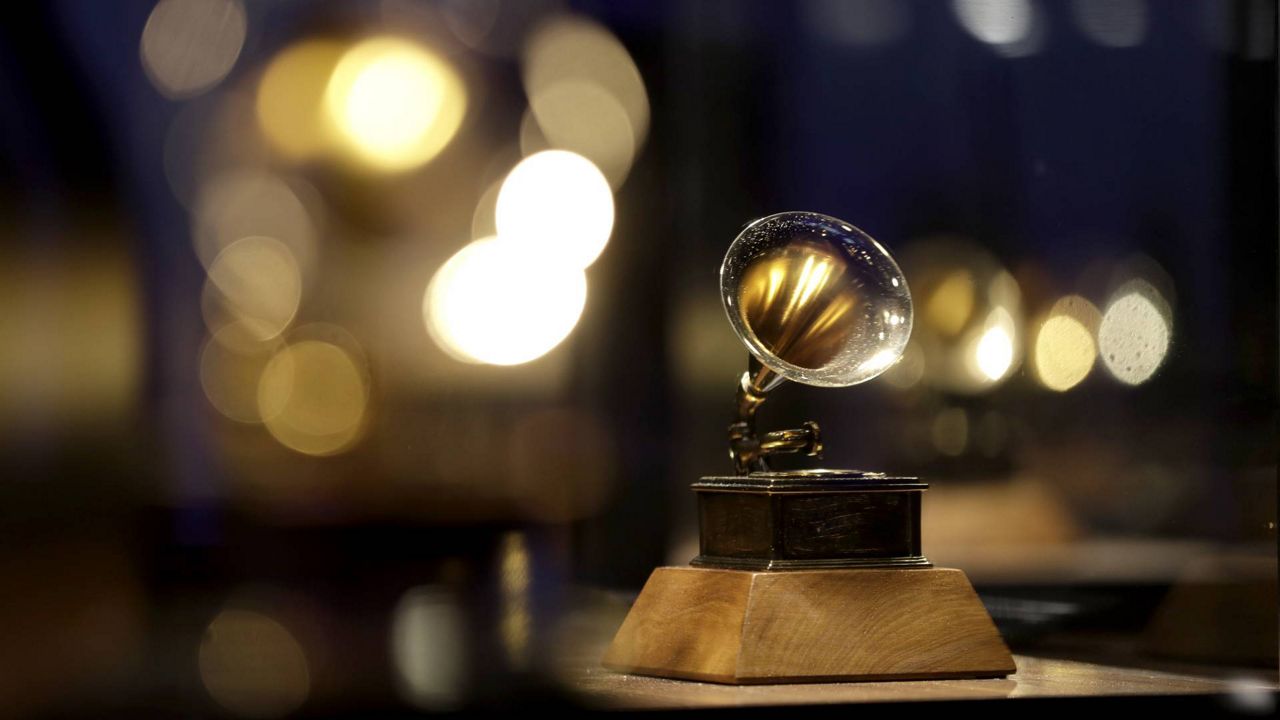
[313, 397]
[1013, 28]
[395, 103]
[244, 203]
[1065, 350]
[950, 305]
[575, 49]
[1133, 337]
[258, 282]
[560, 203]
[290, 99]
[230, 370]
[501, 303]
[188, 46]
[863, 23]
[428, 648]
[514, 572]
[1112, 23]
[586, 119]
[970, 327]
[253, 666]
[994, 353]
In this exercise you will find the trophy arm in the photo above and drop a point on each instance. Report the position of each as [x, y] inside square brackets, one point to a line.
[748, 450]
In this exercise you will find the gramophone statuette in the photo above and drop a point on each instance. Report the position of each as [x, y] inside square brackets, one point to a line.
[816, 301]
[808, 575]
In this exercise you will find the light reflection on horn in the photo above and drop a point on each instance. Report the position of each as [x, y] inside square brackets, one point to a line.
[799, 304]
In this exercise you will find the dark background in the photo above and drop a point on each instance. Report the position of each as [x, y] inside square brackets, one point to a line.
[131, 512]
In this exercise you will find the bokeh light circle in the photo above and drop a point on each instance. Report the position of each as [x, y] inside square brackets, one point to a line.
[395, 103]
[502, 303]
[559, 203]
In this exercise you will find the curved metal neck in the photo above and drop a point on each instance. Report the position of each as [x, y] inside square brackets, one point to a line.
[750, 451]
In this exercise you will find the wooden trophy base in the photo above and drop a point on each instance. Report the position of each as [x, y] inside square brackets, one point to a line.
[747, 627]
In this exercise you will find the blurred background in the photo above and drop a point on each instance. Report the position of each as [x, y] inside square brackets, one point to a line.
[360, 355]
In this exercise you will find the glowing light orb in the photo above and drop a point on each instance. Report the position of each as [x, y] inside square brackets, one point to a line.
[188, 46]
[313, 397]
[1065, 350]
[502, 303]
[253, 666]
[560, 203]
[257, 280]
[395, 103]
[1135, 331]
[994, 353]
[291, 96]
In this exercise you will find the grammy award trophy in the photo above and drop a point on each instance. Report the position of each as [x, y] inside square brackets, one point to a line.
[809, 575]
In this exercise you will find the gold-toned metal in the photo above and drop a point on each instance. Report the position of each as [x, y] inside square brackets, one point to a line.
[747, 450]
[816, 301]
[800, 303]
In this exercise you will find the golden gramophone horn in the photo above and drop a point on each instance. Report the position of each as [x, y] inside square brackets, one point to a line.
[816, 301]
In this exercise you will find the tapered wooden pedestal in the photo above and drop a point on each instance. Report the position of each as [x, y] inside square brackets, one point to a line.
[742, 626]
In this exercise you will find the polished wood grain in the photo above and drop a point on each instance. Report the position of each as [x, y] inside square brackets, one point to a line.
[743, 627]
[1036, 677]
[589, 627]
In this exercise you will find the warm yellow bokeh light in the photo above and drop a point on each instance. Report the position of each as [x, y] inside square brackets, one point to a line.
[257, 281]
[585, 119]
[514, 574]
[247, 202]
[951, 303]
[502, 303]
[1133, 337]
[1065, 351]
[575, 49]
[290, 101]
[429, 648]
[994, 353]
[313, 397]
[230, 368]
[395, 103]
[188, 46]
[559, 203]
[253, 666]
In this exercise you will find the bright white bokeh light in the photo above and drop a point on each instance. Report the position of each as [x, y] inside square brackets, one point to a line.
[189, 46]
[994, 353]
[396, 103]
[559, 203]
[585, 119]
[1011, 27]
[257, 281]
[1133, 338]
[571, 48]
[503, 303]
